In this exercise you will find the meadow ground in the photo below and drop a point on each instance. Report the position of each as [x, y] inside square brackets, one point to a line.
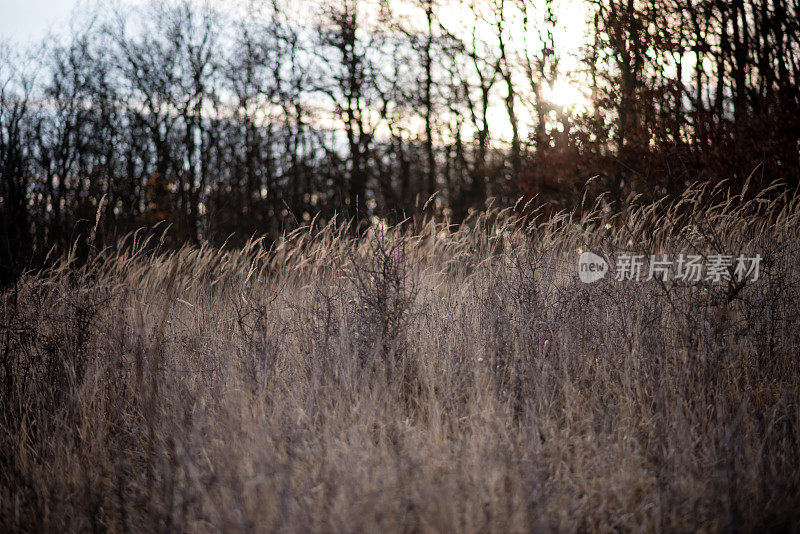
[432, 380]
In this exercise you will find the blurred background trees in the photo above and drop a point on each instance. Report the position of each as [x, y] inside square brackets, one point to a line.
[229, 124]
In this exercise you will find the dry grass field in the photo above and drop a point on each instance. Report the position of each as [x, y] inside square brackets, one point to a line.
[414, 379]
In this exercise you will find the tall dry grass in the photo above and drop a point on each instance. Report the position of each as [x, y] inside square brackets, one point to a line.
[437, 380]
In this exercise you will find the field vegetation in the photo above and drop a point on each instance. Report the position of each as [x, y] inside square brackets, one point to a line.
[413, 378]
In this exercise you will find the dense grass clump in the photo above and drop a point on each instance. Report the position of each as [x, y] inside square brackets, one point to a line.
[418, 378]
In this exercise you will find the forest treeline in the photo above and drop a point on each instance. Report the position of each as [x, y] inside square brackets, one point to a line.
[225, 124]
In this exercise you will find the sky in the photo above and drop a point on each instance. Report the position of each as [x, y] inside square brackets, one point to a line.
[28, 21]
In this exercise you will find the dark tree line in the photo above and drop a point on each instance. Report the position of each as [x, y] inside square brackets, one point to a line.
[699, 89]
[232, 125]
